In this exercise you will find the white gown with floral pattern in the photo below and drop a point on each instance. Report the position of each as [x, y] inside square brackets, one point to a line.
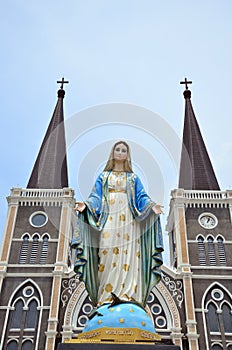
[119, 253]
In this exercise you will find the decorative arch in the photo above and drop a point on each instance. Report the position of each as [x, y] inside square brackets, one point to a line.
[200, 235]
[18, 299]
[216, 285]
[170, 306]
[27, 344]
[212, 302]
[27, 281]
[74, 302]
[12, 345]
[220, 236]
[26, 234]
[217, 346]
[46, 234]
[35, 234]
[224, 302]
[210, 236]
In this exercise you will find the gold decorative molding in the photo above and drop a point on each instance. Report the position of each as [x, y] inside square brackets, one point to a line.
[125, 335]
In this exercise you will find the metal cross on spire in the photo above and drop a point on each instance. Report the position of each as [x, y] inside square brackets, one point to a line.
[62, 82]
[186, 82]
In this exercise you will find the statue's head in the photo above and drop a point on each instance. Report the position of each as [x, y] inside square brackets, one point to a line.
[120, 152]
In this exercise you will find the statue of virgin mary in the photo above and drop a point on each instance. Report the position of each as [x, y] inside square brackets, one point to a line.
[118, 240]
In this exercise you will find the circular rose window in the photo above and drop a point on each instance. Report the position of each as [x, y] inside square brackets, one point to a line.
[38, 219]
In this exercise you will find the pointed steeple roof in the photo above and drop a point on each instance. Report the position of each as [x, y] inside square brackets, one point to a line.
[50, 168]
[196, 170]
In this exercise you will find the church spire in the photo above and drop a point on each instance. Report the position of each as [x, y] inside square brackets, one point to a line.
[196, 170]
[50, 168]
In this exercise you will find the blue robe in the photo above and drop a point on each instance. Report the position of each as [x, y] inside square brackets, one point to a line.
[92, 221]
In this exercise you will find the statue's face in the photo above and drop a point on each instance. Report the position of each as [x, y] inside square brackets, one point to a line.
[120, 152]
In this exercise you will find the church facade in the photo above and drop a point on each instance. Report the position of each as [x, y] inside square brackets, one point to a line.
[42, 301]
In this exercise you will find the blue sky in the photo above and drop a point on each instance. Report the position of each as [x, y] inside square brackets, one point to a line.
[123, 52]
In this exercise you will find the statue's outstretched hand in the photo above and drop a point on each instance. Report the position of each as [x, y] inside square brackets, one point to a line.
[80, 206]
[158, 209]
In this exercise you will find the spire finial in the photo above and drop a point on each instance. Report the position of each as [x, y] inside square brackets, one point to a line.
[62, 82]
[186, 82]
[187, 92]
[61, 91]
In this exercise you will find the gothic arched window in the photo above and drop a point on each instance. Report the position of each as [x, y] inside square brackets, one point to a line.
[211, 251]
[44, 250]
[31, 315]
[221, 251]
[24, 250]
[227, 318]
[201, 250]
[22, 319]
[17, 315]
[213, 318]
[217, 316]
[34, 249]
